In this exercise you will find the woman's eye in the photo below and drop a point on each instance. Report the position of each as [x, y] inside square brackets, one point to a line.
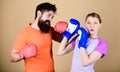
[88, 23]
[95, 22]
[49, 15]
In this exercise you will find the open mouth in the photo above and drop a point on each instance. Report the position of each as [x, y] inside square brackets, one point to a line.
[91, 29]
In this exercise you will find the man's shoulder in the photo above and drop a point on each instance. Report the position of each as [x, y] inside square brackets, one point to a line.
[25, 29]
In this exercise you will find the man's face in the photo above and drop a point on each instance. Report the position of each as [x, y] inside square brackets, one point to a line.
[45, 20]
[47, 15]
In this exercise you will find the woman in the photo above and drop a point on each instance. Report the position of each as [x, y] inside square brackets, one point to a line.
[85, 58]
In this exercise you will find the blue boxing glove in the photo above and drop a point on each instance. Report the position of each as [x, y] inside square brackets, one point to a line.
[83, 37]
[72, 28]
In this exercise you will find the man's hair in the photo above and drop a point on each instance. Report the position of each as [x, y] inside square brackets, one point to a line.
[45, 7]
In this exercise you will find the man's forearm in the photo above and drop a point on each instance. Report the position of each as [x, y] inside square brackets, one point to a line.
[14, 56]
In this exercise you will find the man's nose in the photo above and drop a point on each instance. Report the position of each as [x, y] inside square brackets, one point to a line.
[49, 19]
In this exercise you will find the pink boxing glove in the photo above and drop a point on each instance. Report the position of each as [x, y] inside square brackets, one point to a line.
[29, 51]
[61, 26]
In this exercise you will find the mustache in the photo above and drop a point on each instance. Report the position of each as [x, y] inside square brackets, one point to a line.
[47, 22]
[44, 26]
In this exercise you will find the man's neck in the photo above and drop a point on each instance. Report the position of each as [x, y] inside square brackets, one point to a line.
[35, 24]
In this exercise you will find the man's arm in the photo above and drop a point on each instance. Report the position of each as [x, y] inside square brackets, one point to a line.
[28, 51]
[58, 29]
[14, 56]
[18, 45]
[56, 36]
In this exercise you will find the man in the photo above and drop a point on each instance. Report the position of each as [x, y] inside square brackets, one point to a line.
[34, 43]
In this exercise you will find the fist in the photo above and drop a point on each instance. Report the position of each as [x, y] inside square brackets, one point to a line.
[61, 26]
[72, 28]
[83, 37]
[29, 51]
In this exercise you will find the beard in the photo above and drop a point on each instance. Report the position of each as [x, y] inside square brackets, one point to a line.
[44, 26]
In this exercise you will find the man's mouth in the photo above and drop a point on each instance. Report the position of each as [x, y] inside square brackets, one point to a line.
[47, 22]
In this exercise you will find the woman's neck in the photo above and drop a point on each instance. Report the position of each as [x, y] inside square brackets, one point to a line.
[94, 36]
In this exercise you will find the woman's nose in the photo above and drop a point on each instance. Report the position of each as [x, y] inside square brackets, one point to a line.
[92, 25]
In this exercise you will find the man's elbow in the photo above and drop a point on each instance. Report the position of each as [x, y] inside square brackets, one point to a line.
[14, 57]
[14, 60]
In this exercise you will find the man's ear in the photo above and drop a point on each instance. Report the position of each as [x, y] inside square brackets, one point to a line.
[39, 13]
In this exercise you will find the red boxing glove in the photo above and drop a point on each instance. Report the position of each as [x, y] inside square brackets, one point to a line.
[29, 51]
[61, 26]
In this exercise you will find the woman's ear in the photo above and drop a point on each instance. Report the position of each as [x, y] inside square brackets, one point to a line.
[100, 24]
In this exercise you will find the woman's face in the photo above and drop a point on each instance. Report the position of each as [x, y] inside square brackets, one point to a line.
[92, 24]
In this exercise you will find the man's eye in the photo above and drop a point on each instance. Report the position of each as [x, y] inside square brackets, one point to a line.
[49, 15]
[52, 17]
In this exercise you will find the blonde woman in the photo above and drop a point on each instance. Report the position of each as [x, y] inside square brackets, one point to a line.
[84, 58]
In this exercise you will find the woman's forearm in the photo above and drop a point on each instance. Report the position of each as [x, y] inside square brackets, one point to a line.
[84, 56]
[62, 46]
[89, 59]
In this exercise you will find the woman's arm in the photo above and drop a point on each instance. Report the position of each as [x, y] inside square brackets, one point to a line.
[89, 59]
[64, 48]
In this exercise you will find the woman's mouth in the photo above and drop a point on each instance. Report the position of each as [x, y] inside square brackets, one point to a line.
[91, 29]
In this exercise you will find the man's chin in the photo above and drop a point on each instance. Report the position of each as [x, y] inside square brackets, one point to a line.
[44, 26]
[45, 29]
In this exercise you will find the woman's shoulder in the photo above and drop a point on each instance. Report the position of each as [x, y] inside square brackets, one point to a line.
[102, 41]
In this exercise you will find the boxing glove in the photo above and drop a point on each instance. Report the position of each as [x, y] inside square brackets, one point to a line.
[83, 37]
[61, 26]
[29, 51]
[72, 28]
